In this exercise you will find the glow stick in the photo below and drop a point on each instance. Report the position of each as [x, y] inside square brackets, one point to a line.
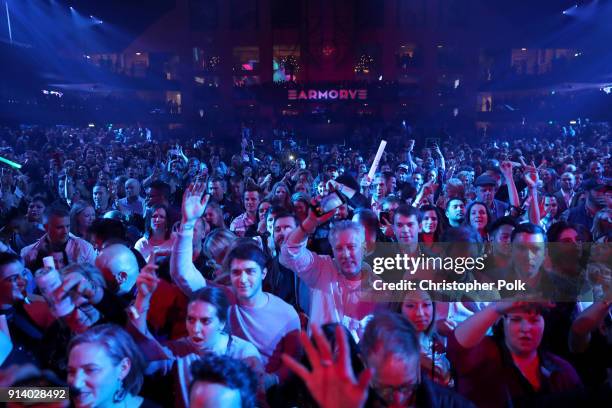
[10, 163]
[379, 153]
[66, 189]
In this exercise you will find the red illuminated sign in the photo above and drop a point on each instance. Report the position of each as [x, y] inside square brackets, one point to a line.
[330, 94]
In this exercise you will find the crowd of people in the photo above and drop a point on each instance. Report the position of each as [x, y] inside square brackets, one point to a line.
[141, 272]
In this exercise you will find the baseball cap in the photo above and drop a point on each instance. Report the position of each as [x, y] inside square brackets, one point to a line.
[485, 180]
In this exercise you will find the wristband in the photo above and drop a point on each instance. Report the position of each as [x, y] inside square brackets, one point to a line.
[187, 226]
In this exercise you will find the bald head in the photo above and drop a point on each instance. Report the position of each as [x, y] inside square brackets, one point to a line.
[132, 188]
[119, 267]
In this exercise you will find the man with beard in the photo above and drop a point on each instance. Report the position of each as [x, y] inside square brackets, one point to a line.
[584, 213]
[59, 243]
[527, 254]
[455, 212]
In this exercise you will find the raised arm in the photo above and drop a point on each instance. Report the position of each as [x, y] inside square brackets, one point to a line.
[506, 169]
[531, 178]
[147, 282]
[471, 331]
[182, 270]
[586, 322]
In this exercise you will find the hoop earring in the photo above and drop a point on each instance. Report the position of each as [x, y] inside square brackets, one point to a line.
[120, 394]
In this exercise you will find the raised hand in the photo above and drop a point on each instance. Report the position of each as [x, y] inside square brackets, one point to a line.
[194, 202]
[89, 292]
[331, 382]
[147, 279]
[506, 168]
[531, 176]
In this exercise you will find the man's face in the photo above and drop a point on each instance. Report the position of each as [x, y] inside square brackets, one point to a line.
[246, 277]
[597, 196]
[406, 228]
[485, 194]
[528, 253]
[391, 184]
[58, 229]
[275, 168]
[456, 211]
[215, 189]
[132, 172]
[523, 331]
[342, 213]
[501, 240]
[402, 174]
[396, 378]
[100, 196]
[154, 197]
[131, 189]
[12, 283]
[301, 164]
[211, 395]
[348, 252]
[390, 207]
[380, 187]
[568, 181]
[596, 169]
[417, 179]
[282, 228]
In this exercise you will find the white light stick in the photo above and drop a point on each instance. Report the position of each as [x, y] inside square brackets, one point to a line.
[379, 153]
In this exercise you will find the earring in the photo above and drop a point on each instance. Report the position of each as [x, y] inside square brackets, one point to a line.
[120, 394]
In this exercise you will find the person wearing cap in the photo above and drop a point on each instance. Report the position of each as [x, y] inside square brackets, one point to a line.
[583, 214]
[402, 172]
[332, 171]
[486, 187]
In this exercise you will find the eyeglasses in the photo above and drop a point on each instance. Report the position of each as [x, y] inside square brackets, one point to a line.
[386, 392]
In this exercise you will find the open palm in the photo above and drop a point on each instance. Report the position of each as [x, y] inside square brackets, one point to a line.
[331, 383]
[194, 202]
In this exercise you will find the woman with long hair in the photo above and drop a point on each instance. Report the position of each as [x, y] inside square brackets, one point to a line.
[420, 311]
[158, 233]
[213, 214]
[431, 224]
[281, 192]
[207, 332]
[478, 217]
[82, 215]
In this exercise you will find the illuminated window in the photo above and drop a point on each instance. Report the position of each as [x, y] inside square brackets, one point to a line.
[245, 59]
[286, 62]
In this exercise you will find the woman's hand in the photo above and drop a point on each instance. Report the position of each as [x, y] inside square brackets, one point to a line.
[194, 202]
